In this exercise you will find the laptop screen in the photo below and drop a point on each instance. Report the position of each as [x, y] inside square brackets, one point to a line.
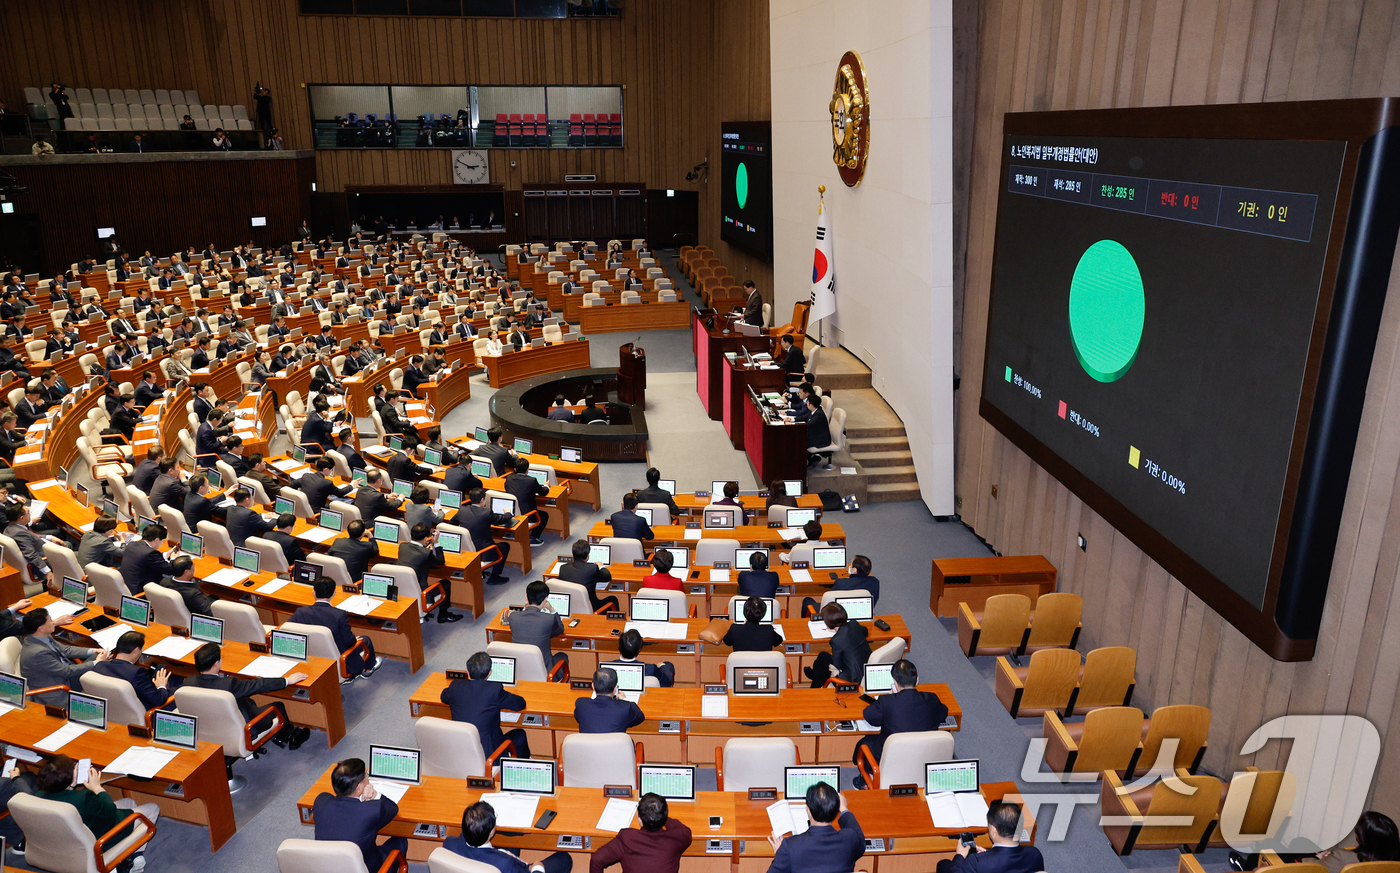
[135, 611]
[857, 608]
[502, 670]
[386, 532]
[481, 469]
[742, 557]
[12, 690]
[793, 487]
[206, 629]
[571, 455]
[503, 506]
[284, 505]
[358, 476]
[600, 554]
[680, 557]
[306, 572]
[175, 729]
[450, 499]
[539, 476]
[671, 782]
[643, 514]
[192, 544]
[651, 609]
[402, 487]
[523, 446]
[286, 644]
[525, 776]
[559, 602]
[736, 609]
[215, 478]
[630, 676]
[799, 517]
[957, 776]
[828, 557]
[332, 519]
[720, 518]
[480, 435]
[667, 485]
[879, 678]
[376, 585]
[451, 542]
[798, 779]
[396, 443]
[74, 591]
[88, 710]
[394, 764]
[717, 486]
[109, 507]
[433, 456]
[247, 560]
[299, 454]
[755, 680]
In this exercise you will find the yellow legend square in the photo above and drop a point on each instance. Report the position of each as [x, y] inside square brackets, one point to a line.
[1134, 455]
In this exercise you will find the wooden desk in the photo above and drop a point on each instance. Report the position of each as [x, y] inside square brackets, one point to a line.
[556, 358]
[360, 387]
[973, 580]
[914, 843]
[192, 788]
[582, 476]
[650, 314]
[738, 378]
[754, 504]
[694, 739]
[60, 448]
[749, 535]
[710, 346]
[777, 450]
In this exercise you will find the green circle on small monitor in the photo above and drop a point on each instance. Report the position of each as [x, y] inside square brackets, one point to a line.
[1107, 309]
[741, 185]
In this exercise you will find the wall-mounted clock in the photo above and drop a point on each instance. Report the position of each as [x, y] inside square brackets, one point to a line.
[850, 119]
[469, 167]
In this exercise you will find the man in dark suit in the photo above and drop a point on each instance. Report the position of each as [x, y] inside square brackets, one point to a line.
[153, 686]
[413, 375]
[348, 448]
[402, 468]
[318, 487]
[282, 536]
[464, 329]
[758, 580]
[145, 475]
[181, 580]
[753, 306]
[421, 555]
[356, 812]
[654, 493]
[147, 391]
[606, 712]
[243, 522]
[818, 431]
[459, 477]
[478, 702]
[627, 523]
[208, 660]
[589, 575]
[474, 843]
[258, 472]
[656, 846]
[822, 848]
[904, 709]
[394, 423]
[793, 361]
[198, 506]
[372, 499]
[31, 407]
[526, 491]
[210, 437]
[518, 337]
[354, 550]
[478, 521]
[98, 546]
[1006, 854]
[233, 455]
[493, 451]
[324, 614]
[167, 489]
[11, 439]
[142, 562]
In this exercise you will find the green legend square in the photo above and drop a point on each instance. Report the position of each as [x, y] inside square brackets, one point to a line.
[1008, 374]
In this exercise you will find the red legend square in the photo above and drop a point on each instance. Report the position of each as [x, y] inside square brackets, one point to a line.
[1063, 409]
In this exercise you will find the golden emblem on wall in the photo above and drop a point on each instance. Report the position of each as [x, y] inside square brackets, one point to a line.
[850, 119]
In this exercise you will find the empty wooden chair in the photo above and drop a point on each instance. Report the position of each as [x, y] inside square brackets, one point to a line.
[1161, 799]
[999, 629]
[1107, 739]
[1055, 622]
[1108, 678]
[1254, 805]
[1047, 685]
[1188, 724]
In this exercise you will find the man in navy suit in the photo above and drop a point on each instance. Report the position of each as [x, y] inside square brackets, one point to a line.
[1006, 854]
[629, 646]
[349, 449]
[153, 688]
[906, 708]
[627, 523]
[478, 827]
[356, 812]
[606, 712]
[478, 702]
[243, 522]
[323, 614]
[822, 848]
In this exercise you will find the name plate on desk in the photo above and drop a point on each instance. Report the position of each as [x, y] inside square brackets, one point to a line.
[456, 674]
[716, 689]
[178, 631]
[581, 684]
[139, 731]
[845, 687]
[692, 525]
[55, 711]
[763, 794]
[641, 563]
[260, 648]
[617, 791]
[801, 565]
[616, 616]
[722, 565]
[909, 790]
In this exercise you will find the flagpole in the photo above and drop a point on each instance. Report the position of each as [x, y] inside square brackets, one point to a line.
[821, 201]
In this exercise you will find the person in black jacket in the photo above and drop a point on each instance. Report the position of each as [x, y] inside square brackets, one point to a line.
[1006, 855]
[198, 506]
[11, 439]
[372, 499]
[758, 580]
[181, 580]
[349, 449]
[402, 468]
[413, 375]
[209, 659]
[324, 614]
[291, 548]
[904, 709]
[606, 711]
[394, 423]
[318, 487]
[243, 522]
[821, 848]
[147, 391]
[167, 489]
[478, 521]
[627, 523]
[818, 430]
[849, 649]
[493, 451]
[233, 455]
[145, 475]
[794, 362]
[125, 417]
[422, 555]
[479, 702]
[459, 477]
[153, 686]
[752, 635]
[31, 407]
[354, 550]
[523, 487]
[654, 493]
[356, 813]
[317, 428]
[590, 576]
[142, 562]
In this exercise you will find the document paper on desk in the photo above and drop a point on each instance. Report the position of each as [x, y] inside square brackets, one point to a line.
[320, 534]
[820, 631]
[273, 587]
[693, 533]
[788, 816]
[61, 737]
[228, 577]
[659, 630]
[392, 790]
[513, 810]
[965, 809]
[142, 761]
[800, 575]
[107, 638]
[617, 814]
[60, 608]
[174, 648]
[267, 667]
[359, 604]
[714, 706]
[290, 465]
[792, 533]
[719, 575]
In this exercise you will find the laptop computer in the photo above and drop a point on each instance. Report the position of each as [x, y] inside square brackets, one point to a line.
[306, 572]
[395, 765]
[523, 446]
[600, 554]
[631, 677]
[793, 487]
[449, 499]
[433, 457]
[503, 506]
[482, 470]
[85, 709]
[74, 591]
[403, 487]
[332, 519]
[958, 777]
[207, 629]
[451, 542]
[288, 644]
[190, 544]
[799, 517]
[386, 532]
[135, 611]
[879, 679]
[502, 670]
[378, 585]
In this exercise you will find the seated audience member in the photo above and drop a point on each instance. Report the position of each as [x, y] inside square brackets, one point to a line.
[591, 412]
[904, 709]
[753, 635]
[654, 848]
[1006, 855]
[537, 624]
[1375, 839]
[46, 662]
[590, 576]
[479, 701]
[606, 711]
[181, 580]
[356, 812]
[99, 545]
[142, 563]
[654, 493]
[662, 562]
[858, 578]
[243, 521]
[627, 523]
[153, 685]
[526, 491]
[758, 580]
[100, 813]
[209, 661]
[822, 848]
[325, 614]
[849, 649]
[731, 498]
[629, 646]
[422, 555]
[811, 533]
[560, 411]
[474, 843]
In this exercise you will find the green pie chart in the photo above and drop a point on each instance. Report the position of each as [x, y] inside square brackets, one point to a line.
[1106, 310]
[741, 185]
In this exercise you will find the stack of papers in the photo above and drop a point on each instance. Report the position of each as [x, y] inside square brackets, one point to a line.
[359, 604]
[37, 509]
[965, 809]
[288, 465]
[107, 638]
[228, 577]
[617, 814]
[274, 586]
[659, 630]
[513, 810]
[392, 790]
[142, 761]
[320, 534]
[714, 706]
[800, 575]
[47, 483]
[693, 533]
[791, 533]
[820, 631]
[174, 648]
[61, 737]
[788, 816]
[378, 451]
[719, 575]
[268, 667]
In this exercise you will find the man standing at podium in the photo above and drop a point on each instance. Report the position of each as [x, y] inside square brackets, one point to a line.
[753, 307]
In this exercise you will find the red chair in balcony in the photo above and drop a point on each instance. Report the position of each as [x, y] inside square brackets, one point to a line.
[500, 135]
[575, 129]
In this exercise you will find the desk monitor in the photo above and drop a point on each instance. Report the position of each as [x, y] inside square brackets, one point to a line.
[135, 611]
[667, 485]
[287, 644]
[395, 764]
[376, 585]
[559, 602]
[207, 629]
[720, 519]
[403, 487]
[109, 507]
[799, 517]
[358, 476]
[306, 572]
[480, 435]
[756, 680]
[631, 675]
[828, 557]
[644, 514]
[742, 557]
[214, 477]
[600, 554]
[332, 519]
[284, 505]
[86, 709]
[396, 443]
[797, 780]
[736, 609]
[793, 487]
[299, 454]
[192, 544]
[717, 487]
[12, 690]
[651, 609]
[432, 456]
[879, 678]
[541, 476]
[451, 542]
[527, 776]
[386, 532]
[960, 777]
[570, 454]
[858, 608]
[175, 729]
[81, 494]
[74, 591]
[503, 506]
[450, 499]
[502, 670]
[671, 782]
[142, 522]
[523, 446]
[482, 470]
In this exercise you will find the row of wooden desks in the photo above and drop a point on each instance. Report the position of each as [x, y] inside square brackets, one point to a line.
[748, 535]
[911, 841]
[819, 720]
[581, 475]
[555, 358]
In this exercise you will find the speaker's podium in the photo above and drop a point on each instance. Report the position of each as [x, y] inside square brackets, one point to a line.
[632, 375]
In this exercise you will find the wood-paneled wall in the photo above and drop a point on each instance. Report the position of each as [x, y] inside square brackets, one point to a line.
[1083, 54]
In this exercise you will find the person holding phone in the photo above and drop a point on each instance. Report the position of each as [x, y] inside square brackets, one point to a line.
[59, 780]
[1006, 855]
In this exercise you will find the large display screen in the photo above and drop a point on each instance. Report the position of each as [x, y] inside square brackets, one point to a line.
[746, 174]
[1158, 314]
